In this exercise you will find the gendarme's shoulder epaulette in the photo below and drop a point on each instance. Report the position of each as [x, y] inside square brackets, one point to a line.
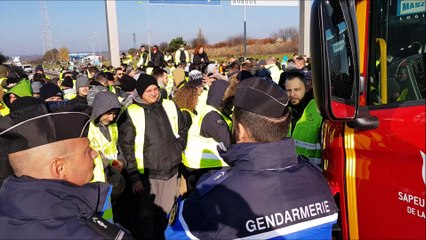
[207, 184]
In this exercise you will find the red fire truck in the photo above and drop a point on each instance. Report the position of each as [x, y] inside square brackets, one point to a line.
[369, 79]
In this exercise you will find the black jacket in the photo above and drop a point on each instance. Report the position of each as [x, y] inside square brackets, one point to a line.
[158, 59]
[200, 58]
[49, 209]
[213, 125]
[79, 100]
[162, 150]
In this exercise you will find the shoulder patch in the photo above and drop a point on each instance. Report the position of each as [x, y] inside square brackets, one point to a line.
[211, 182]
[173, 213]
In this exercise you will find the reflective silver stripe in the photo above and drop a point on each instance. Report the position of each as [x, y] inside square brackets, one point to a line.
[310, 146]
[210, 156]
[316, 161]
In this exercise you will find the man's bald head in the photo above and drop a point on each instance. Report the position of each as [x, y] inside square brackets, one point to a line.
[70, 160]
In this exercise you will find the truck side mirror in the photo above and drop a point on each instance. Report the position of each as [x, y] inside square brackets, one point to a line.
[334, 55]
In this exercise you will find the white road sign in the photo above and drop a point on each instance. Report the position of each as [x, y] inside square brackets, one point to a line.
[265, 3]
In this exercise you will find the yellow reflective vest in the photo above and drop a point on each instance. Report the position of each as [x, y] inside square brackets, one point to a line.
[104, 147]
[2, 80]
[149, 70]
[70, 95]
[306, 133]
[201, 152]
[107, 149]
[4, 110]
[137, 115]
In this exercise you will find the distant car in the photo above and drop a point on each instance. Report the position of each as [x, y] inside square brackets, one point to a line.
[28, 69]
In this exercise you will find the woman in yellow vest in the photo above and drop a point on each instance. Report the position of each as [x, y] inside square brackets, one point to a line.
[209, 128]
[103, 136]
[186, 98]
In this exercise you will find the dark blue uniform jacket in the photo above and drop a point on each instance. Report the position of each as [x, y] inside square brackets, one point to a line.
[49, 209]
[268, 193]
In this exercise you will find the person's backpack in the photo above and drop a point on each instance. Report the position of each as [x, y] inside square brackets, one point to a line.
[182, 56]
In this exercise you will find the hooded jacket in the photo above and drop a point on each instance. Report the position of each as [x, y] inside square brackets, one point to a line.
[162, 150]
[49, 209]
[295, 200]
[22, 89]
[103, 102]
[213, 125]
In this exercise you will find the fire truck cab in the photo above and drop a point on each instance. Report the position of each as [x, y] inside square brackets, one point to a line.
[369, 81]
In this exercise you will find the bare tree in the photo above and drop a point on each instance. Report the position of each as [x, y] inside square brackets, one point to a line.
[163, 46]
[288, 34]
[200, 40]
[235, 40]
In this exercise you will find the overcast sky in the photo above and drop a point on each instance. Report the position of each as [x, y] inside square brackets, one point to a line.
[78, 24]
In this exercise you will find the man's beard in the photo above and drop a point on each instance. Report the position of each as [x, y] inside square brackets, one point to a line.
[235, 133]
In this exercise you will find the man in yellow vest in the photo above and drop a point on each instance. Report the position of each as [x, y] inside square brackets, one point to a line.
[271, 65]
[68, 89]
[118, 74]
[21, 89]
[103, 136]
[143, 60]
[305, 120]
[162, 80]
[181, 55]
[39, 69]
[152, 136]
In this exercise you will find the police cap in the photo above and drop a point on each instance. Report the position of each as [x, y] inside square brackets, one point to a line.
[42, 129]
[261, 96]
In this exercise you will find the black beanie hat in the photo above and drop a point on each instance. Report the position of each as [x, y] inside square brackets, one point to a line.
[39, 68]
[49, 90]
[243, 74]
[12, 78]
[67, 82]
[143, 82]
[24, 102]
[128, 83]
[109, 76]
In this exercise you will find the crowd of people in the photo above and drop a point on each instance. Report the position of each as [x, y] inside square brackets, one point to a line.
[174, 146]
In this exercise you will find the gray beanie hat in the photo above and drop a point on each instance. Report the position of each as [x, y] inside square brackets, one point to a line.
[82, 81]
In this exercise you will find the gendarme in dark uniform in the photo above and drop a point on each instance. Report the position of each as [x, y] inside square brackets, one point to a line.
[268, 192]
[49, 195]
